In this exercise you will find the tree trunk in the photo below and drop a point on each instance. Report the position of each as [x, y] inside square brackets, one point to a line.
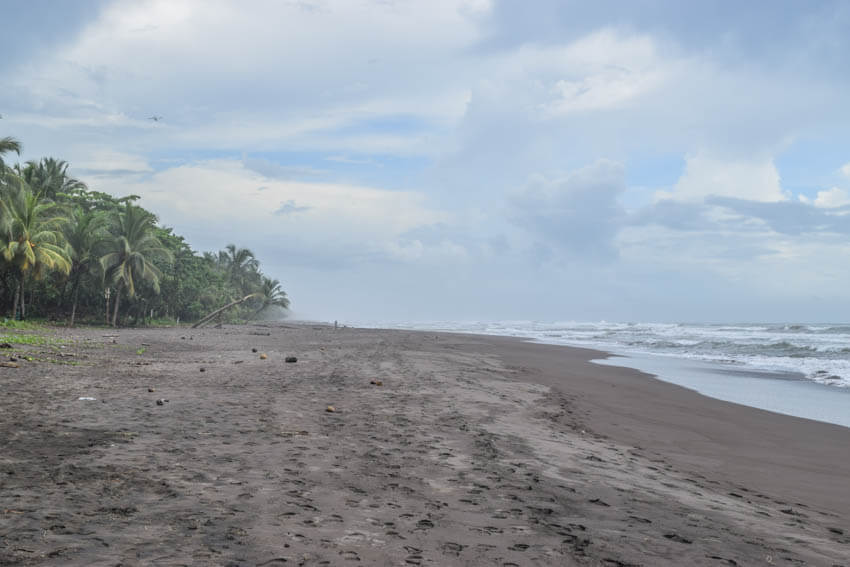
[23, 296]
[222, 310]
[76, 294]
[17, 300]
[75, 291]
[117, 301]
[60, 304]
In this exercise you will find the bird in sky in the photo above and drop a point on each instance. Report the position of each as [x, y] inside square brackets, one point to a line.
[155, 118]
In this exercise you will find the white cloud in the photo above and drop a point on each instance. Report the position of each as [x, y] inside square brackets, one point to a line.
[606, 70]
[105, 161]
[831, 198]
[845, 170]
[704, 175]
[218, 73]
[208, 199]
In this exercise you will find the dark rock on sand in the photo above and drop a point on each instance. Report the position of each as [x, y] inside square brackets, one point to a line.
[291, 359]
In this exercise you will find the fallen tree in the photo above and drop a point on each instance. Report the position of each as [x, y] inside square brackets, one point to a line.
[221, 310]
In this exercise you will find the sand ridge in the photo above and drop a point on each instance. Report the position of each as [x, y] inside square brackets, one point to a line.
[458, 458]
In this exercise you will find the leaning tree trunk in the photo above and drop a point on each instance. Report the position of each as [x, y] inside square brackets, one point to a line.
[222, 310]
[76, 294]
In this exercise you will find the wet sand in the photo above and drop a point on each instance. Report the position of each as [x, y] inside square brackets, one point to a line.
[472, 451]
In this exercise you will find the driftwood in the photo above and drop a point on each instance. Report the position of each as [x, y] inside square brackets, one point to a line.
[223, 309]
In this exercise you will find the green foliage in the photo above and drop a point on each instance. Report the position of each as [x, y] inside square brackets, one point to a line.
[39, 340]
[19, 325]
[69, 253]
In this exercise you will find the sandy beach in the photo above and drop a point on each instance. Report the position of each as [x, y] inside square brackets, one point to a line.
[441, 449]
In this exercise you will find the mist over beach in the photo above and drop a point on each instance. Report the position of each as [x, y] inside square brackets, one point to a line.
[449, 282]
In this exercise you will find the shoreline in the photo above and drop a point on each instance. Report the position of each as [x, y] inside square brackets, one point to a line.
[473, 450]
[697, 430]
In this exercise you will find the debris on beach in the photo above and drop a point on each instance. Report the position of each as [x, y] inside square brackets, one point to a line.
[253, 350]
[330, 409]
[376, 382]
[9, 364]
[5, 345]
[202, 369]
[263, 356]
[85, 399]
[161, 401]
[151, 389]
[291, 359]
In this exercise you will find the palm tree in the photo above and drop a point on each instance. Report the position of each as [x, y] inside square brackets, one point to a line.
[271, 294]
[241, 268]
[8, 144]
[49, 178]
[32, 238]
[131, 253]
[84, 233]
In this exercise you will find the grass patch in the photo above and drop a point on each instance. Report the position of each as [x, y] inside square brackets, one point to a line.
[21, 325]
[141, 351]
[39, 340]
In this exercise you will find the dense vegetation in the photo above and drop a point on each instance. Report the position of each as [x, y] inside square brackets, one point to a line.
[70, 253]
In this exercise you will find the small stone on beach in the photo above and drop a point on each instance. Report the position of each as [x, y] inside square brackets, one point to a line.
[203, 369]
[161, 401]
[151, 389]
[5, 345]
[263, 356]
[376, 382]
[253, 350]
[330, 409]
[291, 359]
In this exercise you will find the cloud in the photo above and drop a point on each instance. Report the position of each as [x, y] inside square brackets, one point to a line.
[323, 224]
[577, 214]
[790, 217]
[276, 171]
[676, 215]
[832, 198]
[607, 71]
[704, 175]
[101, 161]
[289, 207]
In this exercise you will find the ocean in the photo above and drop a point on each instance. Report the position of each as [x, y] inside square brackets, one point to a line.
[796, 369]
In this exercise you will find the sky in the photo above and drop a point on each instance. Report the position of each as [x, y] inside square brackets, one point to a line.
[409, 161]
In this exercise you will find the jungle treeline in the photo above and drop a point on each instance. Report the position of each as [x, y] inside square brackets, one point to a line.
[70, 254]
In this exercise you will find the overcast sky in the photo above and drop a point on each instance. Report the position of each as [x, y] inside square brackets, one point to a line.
[467, 159]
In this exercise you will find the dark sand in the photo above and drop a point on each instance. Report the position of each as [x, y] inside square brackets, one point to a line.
[474, 451]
